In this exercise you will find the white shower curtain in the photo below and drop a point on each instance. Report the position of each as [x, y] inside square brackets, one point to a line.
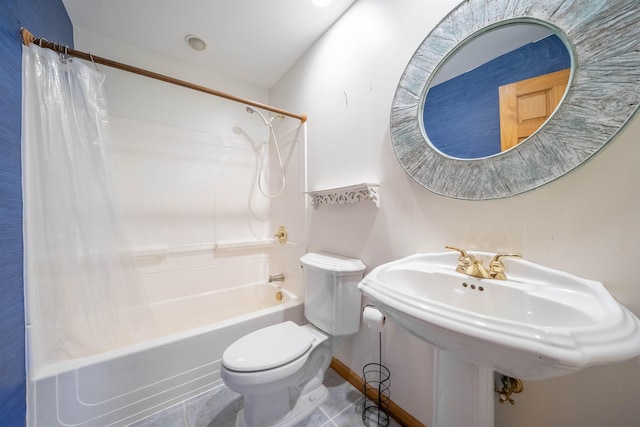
[83, 293]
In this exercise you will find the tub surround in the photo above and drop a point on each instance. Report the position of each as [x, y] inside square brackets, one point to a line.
[173, 169]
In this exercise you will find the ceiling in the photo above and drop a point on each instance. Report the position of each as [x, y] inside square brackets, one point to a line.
[255, 41]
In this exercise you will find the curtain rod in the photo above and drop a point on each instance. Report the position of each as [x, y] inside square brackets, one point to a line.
[28, 38]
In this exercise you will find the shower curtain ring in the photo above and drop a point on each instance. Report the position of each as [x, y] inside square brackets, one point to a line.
[58, 48]
[66, 53]
[94, 62]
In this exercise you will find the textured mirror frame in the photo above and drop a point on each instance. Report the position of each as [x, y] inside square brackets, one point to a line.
[604, 93]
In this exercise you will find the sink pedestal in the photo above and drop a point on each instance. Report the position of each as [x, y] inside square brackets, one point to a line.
[464, 393]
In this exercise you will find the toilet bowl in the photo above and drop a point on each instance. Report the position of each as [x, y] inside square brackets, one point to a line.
[280, 369]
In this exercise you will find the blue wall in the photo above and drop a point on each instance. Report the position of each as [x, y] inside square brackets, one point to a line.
[46, 18]
[462, 115]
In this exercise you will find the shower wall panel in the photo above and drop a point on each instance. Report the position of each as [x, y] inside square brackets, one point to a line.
[182, 192]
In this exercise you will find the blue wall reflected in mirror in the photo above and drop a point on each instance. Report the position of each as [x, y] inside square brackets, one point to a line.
[461, 115]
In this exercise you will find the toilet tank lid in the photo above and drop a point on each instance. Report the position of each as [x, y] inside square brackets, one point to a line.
[332, 262]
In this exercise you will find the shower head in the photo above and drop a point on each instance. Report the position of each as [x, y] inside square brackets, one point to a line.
[267, 122]
[252, 110]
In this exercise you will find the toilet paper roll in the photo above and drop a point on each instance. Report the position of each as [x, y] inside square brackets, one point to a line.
[372, 317]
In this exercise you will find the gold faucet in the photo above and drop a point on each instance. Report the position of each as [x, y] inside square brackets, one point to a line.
[469, 264]
[496, 267]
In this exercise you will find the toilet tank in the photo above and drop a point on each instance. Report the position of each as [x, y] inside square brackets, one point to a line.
[332, 299]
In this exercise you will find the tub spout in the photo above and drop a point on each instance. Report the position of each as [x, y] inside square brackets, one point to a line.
[276, 278]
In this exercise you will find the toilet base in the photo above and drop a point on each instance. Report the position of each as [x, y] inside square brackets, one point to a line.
[304, 406]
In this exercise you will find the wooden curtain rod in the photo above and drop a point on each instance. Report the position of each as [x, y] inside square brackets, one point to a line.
[28, 38]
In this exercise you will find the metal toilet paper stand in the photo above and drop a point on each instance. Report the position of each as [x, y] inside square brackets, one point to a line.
[375, 402]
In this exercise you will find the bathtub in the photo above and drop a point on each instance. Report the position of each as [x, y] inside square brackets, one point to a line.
[125, 385]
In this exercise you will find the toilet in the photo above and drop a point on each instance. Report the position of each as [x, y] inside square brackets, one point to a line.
[279, 369]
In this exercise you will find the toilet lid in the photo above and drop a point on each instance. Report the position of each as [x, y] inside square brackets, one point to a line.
[268, 348]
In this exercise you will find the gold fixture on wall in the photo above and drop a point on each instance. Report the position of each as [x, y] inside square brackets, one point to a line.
[281, 235]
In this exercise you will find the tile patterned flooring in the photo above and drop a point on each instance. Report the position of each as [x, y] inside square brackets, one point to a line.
[218, 408]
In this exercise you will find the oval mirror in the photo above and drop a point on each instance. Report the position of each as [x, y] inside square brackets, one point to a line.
[603, 42]
[496, 90]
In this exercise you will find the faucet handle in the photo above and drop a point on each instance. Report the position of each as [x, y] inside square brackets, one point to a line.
[281, 235]
[496, 267]
[463, 253]
[470, 264]
[465, 261]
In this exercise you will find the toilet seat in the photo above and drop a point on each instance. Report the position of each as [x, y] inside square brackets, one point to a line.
[268, 348]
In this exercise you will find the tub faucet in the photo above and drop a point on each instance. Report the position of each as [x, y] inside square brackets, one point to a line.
[276, 278]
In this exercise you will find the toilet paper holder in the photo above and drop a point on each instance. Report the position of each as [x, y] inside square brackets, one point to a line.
[366, 319]
[375, 378]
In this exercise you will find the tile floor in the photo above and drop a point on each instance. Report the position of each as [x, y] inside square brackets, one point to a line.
[218, 408]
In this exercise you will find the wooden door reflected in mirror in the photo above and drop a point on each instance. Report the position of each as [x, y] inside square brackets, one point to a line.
[525, 105]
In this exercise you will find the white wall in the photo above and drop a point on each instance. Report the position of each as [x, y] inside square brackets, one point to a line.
[585, 223]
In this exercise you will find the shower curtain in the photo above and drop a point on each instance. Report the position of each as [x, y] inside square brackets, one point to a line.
[83, 293]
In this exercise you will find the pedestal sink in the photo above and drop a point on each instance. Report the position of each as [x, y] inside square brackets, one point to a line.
[538, 323]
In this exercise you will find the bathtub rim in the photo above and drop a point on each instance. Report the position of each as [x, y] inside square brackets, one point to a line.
[52, 368]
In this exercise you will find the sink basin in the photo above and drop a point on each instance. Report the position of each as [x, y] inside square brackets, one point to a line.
[540, 323]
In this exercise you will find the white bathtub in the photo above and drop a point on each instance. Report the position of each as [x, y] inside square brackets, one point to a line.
[123, 386]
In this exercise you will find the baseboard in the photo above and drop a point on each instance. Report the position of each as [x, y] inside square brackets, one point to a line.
[395, 411]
